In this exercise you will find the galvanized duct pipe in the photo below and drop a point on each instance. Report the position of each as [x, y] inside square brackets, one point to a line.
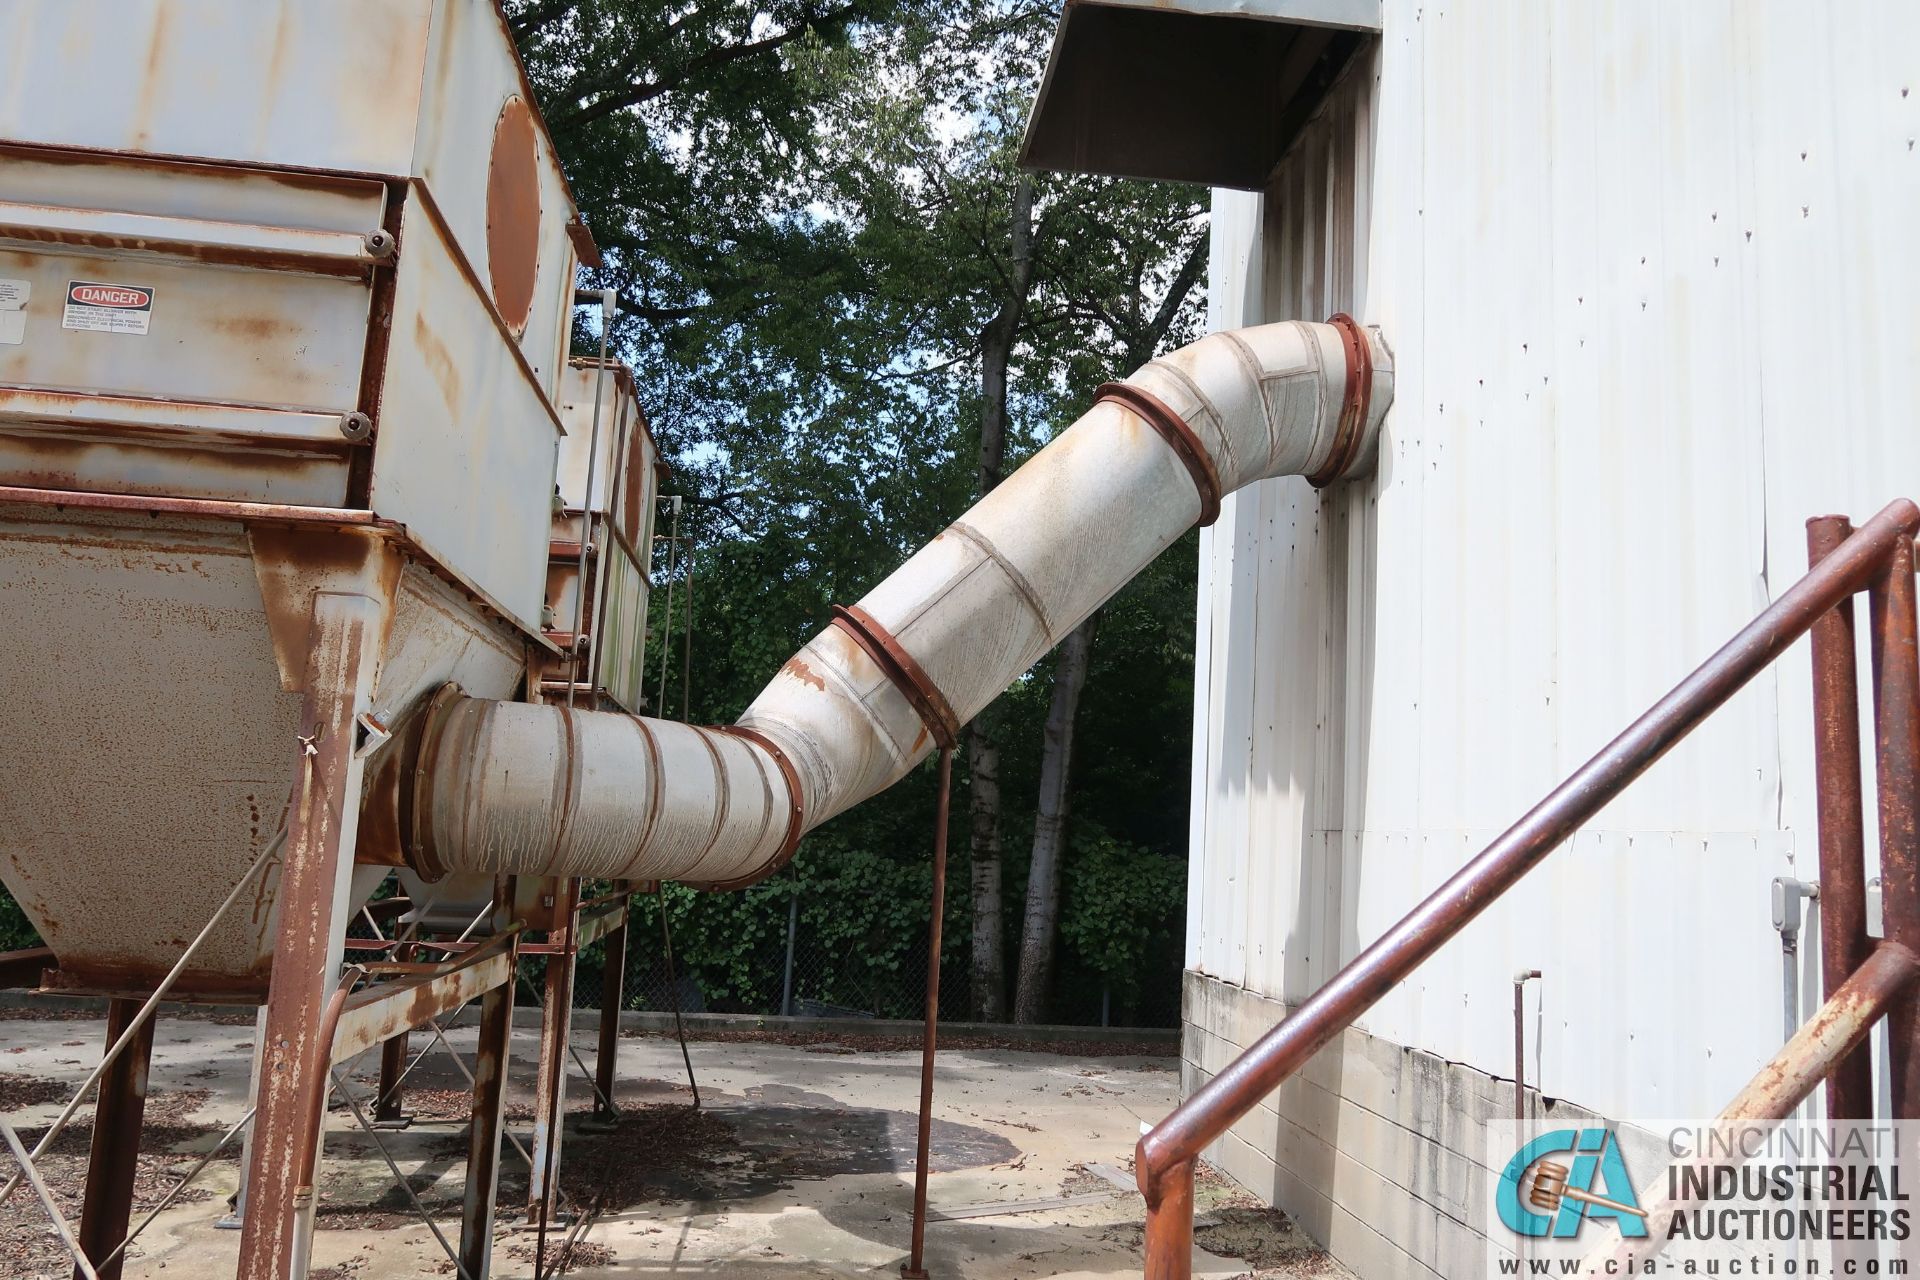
[545, 790]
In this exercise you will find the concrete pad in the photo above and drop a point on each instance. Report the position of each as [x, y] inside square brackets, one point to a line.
[801, 1164]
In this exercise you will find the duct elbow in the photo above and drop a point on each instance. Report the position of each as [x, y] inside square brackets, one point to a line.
[512, 788]
[1288, 399]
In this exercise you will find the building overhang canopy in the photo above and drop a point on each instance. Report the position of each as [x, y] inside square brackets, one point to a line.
[1207, 91]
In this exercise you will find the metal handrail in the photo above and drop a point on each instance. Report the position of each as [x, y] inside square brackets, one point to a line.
[1164, 1160]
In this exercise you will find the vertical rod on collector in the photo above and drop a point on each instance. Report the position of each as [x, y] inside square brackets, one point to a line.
[915, 1266]
[666, 623]
[1844, 944]
[613, 997]
[489, 1106]
[387, 1112]
[111, 1166]
[1896, 718]
[550, 1088]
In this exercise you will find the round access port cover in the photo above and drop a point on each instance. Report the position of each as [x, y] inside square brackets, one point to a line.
[513, 212]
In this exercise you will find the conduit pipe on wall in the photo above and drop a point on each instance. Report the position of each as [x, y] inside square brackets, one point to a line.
[551, 791]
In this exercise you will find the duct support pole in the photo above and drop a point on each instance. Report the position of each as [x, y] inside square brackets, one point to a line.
[613, 995]
[387, 1112]
[1896, 716]
[915, 1266]
[550, 1088]
[113, 1159]
[1844, 945]
[315, 879]
[489, 1104]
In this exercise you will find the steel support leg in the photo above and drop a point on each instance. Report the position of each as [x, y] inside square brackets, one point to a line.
[116, 1142]
[1844, 945]
[550, 1088]
[489, 1106]
[613, 995]
[314, 879]
[387, 1111]
[915, 1266]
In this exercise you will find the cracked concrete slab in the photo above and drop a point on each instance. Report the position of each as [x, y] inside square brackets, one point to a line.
[799, 1165]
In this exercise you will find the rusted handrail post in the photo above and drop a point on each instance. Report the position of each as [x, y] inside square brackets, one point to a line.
[1884, 980]
[915, 1266]
[1165, 1155]
[1896, 719]
[1844, 945]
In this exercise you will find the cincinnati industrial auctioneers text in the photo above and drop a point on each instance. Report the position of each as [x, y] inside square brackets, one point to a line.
[1750, 1183]
[1712, 1198]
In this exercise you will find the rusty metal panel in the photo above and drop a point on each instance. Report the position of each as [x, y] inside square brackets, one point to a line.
[617, 416]
[322, 84]
[624, 483]
[147, 755]
[241, 360]
[484, 153]
[263, 339]
[620, 645]
[120, 833]
[466, 450]
[381, 1012]
[235, 193]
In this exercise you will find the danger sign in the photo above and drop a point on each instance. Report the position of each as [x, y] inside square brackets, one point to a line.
[93, 307]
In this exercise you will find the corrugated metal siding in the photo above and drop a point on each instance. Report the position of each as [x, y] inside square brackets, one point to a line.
[1648, 274]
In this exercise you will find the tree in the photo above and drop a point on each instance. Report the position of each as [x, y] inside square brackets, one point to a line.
[831, 272]
[988, 956]
[1130, 273]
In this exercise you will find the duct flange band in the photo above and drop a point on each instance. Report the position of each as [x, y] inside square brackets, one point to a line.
[1353, 410]
[1172, 428]
[905, 674]
[796, 812]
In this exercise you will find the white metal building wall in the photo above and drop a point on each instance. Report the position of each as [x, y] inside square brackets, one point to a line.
[1649, 274]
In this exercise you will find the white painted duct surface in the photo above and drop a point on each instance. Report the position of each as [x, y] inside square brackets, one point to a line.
[539, 789]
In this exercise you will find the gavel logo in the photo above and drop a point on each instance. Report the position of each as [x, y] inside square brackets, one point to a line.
[1550, 1188]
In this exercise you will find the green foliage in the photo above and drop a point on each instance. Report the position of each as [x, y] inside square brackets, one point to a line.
[16, 932]
[807, 207]
[1116, 909]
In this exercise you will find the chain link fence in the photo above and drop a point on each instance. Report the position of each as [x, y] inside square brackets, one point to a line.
[780, 949]
[801, 969]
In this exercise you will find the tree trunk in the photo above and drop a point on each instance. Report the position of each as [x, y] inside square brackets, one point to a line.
[989, 968]
[1050, 828]
[1140, 340]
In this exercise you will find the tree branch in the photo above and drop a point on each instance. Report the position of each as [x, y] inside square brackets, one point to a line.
[647, 90]
[536, 16]
[1177, 291]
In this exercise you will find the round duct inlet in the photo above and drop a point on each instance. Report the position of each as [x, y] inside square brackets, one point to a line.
[513, 213]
